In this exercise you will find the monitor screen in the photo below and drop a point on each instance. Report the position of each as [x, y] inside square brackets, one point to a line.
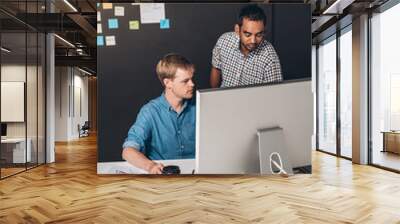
[228, 121]
[3, 129]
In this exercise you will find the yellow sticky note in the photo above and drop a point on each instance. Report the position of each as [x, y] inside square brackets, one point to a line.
[107, 6]
[134, 25]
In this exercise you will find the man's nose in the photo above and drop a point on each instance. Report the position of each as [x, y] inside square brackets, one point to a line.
[253, 39]
[191, 83]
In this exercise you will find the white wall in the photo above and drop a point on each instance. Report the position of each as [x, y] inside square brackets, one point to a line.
[61, 103]
[71, 93]
[33, 127]
[16, 73]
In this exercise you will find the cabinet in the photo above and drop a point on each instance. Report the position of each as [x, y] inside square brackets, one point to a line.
[391, 141]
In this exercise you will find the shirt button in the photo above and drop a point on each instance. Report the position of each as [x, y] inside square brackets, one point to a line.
[182, 146]
[179, 132]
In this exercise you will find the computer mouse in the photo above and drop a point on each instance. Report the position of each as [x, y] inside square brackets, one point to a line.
[171, 169]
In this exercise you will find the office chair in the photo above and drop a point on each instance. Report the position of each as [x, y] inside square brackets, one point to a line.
[84, 130]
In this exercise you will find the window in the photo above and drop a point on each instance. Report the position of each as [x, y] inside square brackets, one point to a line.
[327, 95]
[346, 92]
[385, 88]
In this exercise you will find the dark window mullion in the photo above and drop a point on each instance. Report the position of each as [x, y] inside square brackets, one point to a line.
[37, 90]
[369, 77]
[26, 87]
[338, 92]
[317, 96]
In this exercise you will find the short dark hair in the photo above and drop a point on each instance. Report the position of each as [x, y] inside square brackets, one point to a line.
[253, 13]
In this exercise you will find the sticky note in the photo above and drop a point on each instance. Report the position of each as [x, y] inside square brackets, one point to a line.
[134, 25]
[164, 24]
[100, 41]
[98, 16]
[98, 5]
[119, 11]
[107, 5]
[113, 23]
[99, 28]
[110, 40]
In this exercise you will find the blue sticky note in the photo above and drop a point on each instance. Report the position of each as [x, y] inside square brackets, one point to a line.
[113, 23]
[100, 41]
[164, 24]
[98, 5]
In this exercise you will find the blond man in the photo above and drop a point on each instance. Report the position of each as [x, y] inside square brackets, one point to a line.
[165, 127]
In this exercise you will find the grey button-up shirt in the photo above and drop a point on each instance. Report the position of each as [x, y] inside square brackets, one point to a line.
[259, 66]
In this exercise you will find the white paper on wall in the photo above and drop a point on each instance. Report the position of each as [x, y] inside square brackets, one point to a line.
[110, 40]
[99, 28]
[152, 12]
[119, 11]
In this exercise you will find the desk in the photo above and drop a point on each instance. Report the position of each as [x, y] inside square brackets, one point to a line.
[185, 165]
[13, 150]
[391, 141]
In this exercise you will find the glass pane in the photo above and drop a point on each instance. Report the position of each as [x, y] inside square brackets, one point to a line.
[346, 94]
[31, 101]
[327, 96]
[13, 87]
[41, 98]
[386, 89]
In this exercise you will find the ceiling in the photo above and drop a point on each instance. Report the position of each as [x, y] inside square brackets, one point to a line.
[77, 24]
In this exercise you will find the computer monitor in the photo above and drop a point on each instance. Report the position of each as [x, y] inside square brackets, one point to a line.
[228, 119]
[3, 129]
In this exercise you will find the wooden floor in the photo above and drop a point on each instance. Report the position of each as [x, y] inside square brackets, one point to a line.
[70, 191]
[386, 159]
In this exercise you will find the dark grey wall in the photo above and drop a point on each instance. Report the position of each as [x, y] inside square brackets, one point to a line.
[126, 72]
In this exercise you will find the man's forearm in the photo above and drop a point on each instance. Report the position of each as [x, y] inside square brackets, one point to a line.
[136, 158]
[215, 77]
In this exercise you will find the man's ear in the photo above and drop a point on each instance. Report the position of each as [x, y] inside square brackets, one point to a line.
[167, 82]
[237, 29]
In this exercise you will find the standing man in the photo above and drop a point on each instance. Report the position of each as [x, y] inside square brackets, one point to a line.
[244, 57]
[165, 127]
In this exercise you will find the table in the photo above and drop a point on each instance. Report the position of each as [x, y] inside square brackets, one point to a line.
[186, 166]
[13, 150]
[391, 141]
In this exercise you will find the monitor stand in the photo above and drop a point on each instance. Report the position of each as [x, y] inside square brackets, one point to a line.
[271, 144]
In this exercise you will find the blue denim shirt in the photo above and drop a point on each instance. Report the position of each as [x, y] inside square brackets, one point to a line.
[160, 133]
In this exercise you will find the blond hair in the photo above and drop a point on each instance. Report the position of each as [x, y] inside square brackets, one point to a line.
[167, 66]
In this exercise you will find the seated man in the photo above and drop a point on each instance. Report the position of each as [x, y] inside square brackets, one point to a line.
[165, 127]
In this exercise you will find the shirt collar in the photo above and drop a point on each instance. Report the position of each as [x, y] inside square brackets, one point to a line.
[256, 51]
[166, 104]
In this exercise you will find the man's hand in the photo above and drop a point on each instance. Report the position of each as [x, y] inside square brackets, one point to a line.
[139, 160]
[155, 168]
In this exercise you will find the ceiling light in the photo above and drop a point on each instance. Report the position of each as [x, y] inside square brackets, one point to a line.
[86, 72]
[5, 49]
[65, 41]
[338, 6]
[70, 5]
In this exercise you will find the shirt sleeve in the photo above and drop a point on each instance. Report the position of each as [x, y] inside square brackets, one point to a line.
[216, 55]
[139, 132]
[274, 71]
